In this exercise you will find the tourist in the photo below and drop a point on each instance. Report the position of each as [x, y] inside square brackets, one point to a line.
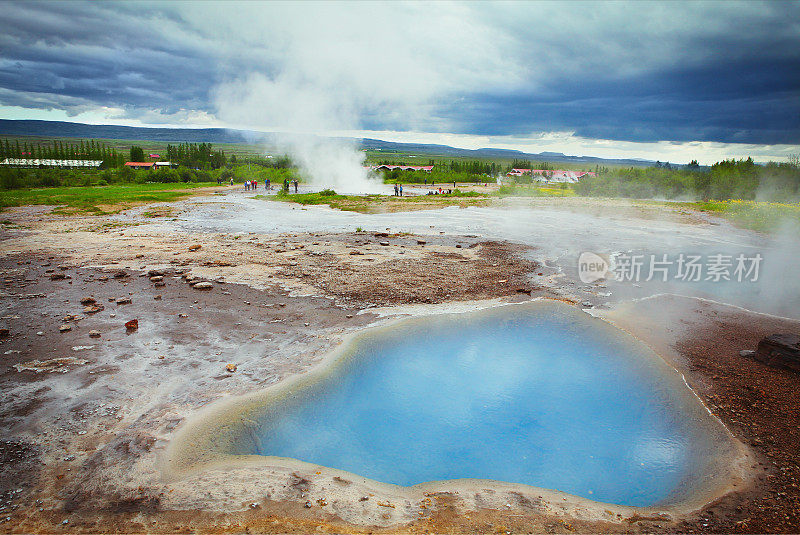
[395, 190]
[295, 185]
[401, 190]
[267, 184]
[231, 181]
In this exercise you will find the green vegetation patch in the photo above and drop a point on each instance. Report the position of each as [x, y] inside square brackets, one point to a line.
[99, 199]
[381, 203]
[515, 190]
[753, 215]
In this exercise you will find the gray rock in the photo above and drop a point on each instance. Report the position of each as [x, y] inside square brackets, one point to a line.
[202, 286]
[780, 350]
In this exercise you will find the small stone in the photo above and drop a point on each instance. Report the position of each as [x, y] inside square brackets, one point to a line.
[157, 297]
[121, 274]
[57, 276]
[458, 246]
[157, 278]
[64, 328]
[202, 286]
[132, 325]
[421, 242]
[86, 301]
[349, 316]
[309, 505]
[5, 333]
[385, 243]
[124, 301]
[230, 367]
[160, 284]
[40, 333]
[93, 309]
[195, 247]
[94, 334]
[140, 255]
[155, 273]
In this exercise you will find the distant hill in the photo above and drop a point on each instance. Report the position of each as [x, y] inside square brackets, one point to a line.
[445, 150]
[224, 135]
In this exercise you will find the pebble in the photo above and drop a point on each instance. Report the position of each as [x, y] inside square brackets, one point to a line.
[202, 286]
[64, 328]
[94, 334]
[124, 301]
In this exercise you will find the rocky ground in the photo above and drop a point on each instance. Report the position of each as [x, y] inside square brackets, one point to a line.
[88, 405]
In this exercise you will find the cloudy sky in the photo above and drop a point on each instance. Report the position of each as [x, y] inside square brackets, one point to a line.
[670, 81]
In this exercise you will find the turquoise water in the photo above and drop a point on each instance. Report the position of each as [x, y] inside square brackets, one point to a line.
[541, 396]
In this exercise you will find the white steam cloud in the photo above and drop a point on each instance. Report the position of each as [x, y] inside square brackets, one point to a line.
[317, 69]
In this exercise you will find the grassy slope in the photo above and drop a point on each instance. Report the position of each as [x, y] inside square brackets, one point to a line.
[100, 199]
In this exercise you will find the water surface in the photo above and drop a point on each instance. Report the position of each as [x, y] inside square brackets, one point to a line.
[541, 395]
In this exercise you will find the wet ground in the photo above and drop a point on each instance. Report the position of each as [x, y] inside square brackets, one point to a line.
[84, 418]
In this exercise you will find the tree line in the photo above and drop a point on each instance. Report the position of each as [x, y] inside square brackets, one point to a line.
[58, 150]
[196, 155]
[728, 179]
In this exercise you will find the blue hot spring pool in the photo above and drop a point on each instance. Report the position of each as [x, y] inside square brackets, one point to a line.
[540, 395]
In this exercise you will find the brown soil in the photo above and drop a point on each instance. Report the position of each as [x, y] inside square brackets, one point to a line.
[760, 405]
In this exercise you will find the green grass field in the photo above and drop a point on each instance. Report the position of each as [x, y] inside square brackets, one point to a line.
[99, 199]
[753, 215]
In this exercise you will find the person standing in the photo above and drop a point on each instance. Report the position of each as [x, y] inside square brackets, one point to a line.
[395, 190]
[401, 190]
[267, 184]
[295, 185]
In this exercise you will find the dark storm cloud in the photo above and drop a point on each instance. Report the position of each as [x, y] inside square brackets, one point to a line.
[729, 101]
[727, 72]
[75, 55]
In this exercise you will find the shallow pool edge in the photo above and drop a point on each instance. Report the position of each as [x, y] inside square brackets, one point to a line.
[203, 442]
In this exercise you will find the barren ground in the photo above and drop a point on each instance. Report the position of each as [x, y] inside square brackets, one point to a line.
[84, 419]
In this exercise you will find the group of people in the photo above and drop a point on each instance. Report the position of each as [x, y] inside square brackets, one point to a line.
[287, 183]
[440, 191]
[398, 190]
[252, 185]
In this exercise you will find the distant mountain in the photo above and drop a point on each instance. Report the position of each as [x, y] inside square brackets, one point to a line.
[224, 135]
[136, 133]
